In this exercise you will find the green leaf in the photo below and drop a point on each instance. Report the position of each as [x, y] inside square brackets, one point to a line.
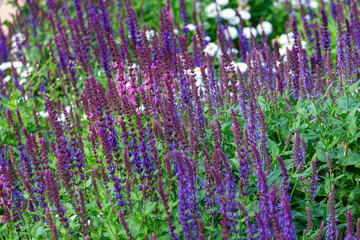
[351, 159]
[88, 182]
[354, 86]
[309, 136]
[320, 151]
[235, 162]
[40, 231]
[149, 207]
[273, 176]
[274, 148]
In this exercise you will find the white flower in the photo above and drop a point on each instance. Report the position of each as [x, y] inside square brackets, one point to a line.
[241, 65]
[141, 108]
[7, 65]
[265, 27]
[62, 115]
[313, 4]
[245, 15]
[243, 5]
[283, 50]
[283, 39]
[22, 98]
[290, 45]
[247, 33]
[231, 32]
[176, 31]
[22, 81]
[228, 14]
[61, 118]
[73, 217]
[303, 44]
[43, 114]
[17, 37]
[222, 2]
[191, 27]
[211, 49]
[85, 117]
[286, 39]
[219, 54]
[234, 21]
[7, 78]
[207, 38]
[133, 66]
[211, 10]
[198, 77]
[234, 51]
[242, 2]
[198, 6]
[149, 34]
[27, 72]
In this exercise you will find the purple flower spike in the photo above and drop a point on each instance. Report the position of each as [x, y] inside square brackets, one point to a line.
[331, 231]
[349, 232]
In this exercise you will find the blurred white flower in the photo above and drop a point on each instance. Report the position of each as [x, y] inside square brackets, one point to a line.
[207, 38]
[231, 32]
[198, 6]
[191, 27]
[234, 51]
[283, 50]
[242, 2]
[285, 39]
[17, 37]
[85, 117]
[234, 21]
[15, 40]
[222, 2]
[43, 114]
[290, 45]
[176, 31]
[243, 5]
[7, 65]
[22, 81]
[211, 10]
[198, 77]
[303, 44]
[245, 15]
[62, 118]
[228, 14]
[133, 66]
[241, 65]
[7, 78]
[22, 98]
[265, 27]
[247, 32]
[211, 49]
[27, 72]
[141, 108]
[219, 54]
[313, 4]
[149, 34]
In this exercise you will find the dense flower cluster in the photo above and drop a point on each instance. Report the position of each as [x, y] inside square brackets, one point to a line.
[132, 120]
